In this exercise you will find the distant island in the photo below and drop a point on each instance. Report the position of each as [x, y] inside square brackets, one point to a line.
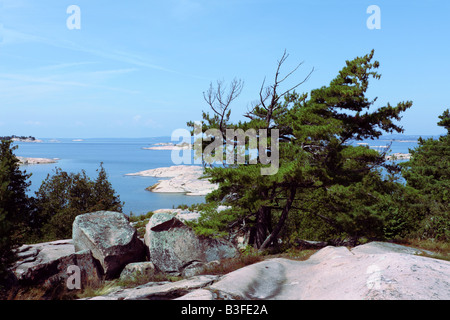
[31, 161]
[169, 146]
[20, 138]
[26, 160]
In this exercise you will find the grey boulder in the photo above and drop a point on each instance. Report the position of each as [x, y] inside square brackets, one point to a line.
[138, 269]
[110, 238]
[173, 245]
[47, 264]
[159, 290]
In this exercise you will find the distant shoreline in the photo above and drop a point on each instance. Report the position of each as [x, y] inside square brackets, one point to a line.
[399, 156]
[169, 146]
[31, 161]
[21, 139]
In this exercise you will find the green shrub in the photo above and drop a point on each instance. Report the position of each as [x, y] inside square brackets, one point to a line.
[63, 196]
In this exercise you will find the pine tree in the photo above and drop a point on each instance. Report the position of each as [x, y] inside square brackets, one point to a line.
[321, 174]
[104, 196]
[62, 196]
[14, 204]
[428, 173]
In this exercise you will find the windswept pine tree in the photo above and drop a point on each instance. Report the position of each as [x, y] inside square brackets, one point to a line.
[321, 176]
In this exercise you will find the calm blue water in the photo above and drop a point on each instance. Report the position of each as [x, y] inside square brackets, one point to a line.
[122, 156]
[119, 157]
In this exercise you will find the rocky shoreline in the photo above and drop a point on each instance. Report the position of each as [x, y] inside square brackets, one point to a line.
[399, 156]
[105, 246]
[182, 179]
[33, 161]
[28, 140]
[169, 146]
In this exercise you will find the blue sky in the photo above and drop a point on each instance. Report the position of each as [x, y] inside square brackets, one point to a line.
[138, 68]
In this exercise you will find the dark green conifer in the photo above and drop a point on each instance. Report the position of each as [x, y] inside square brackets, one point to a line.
[321, 175]
[14, 204]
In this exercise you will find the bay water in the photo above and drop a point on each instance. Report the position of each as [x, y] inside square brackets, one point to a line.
[119, 157]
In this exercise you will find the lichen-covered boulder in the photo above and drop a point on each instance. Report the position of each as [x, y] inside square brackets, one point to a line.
[110, 238]
[173, 245]
[47, 264]
[138, 269]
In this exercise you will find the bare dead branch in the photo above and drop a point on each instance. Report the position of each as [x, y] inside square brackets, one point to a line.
[300, 83]
[219, 99]
[271, 92]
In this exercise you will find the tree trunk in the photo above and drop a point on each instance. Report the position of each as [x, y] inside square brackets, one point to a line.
[273, 236]
[262, 227]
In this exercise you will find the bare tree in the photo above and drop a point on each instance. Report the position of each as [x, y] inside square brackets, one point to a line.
[219, 99]
[269, 96]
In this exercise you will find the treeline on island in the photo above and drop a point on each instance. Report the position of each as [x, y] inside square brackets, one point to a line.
[325, 189]
[14, 137]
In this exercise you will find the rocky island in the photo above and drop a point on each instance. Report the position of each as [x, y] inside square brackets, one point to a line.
[28, 160]
[21, 139]
[399, 156]
[183, 179]
[31, 161]
[169, 146]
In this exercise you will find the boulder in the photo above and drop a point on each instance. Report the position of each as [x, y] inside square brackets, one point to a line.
[193, 269]
[110, 238]
[47, 264]
[137, 269]
[180, 214]
[159, 290]
[173, 245]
